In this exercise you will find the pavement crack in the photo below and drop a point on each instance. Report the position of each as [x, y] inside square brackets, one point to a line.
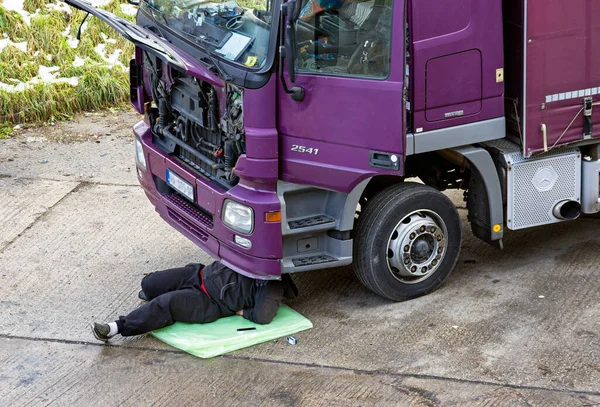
[379, 372]
[82, 181]
[77, 187]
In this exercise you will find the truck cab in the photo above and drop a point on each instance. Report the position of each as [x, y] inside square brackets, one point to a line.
[284, 137]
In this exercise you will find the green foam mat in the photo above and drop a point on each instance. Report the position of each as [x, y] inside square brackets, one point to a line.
[222, 336]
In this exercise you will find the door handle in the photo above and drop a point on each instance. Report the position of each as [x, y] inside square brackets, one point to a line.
[388, 161]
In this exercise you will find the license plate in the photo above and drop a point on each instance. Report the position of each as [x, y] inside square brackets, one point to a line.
[181, 186]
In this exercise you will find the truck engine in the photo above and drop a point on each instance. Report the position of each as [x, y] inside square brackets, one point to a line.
[187, 122]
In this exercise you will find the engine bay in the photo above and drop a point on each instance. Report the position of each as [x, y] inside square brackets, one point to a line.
[190, 123]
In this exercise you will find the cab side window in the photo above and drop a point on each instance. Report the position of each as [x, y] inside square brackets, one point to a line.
[345, 37]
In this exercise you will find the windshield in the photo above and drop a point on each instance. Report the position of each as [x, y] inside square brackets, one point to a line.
[238, 31]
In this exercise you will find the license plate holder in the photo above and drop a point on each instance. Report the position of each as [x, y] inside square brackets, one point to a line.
[180, 185]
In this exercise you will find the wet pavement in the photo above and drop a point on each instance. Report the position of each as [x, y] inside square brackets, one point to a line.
[509, 328]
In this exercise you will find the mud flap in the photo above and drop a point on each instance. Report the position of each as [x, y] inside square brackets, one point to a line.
[478, 204]
[485, 202]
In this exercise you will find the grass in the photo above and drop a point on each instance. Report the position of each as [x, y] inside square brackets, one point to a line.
[100, 86]
[6, 130]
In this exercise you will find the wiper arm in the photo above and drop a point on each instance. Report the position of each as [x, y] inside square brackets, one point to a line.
[224, 75]
[152, 7]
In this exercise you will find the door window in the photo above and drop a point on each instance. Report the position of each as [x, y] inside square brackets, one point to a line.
[345, 37]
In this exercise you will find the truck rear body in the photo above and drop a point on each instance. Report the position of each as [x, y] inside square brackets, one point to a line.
[552, 53]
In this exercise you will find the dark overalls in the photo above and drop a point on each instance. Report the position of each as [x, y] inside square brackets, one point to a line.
[198, 294]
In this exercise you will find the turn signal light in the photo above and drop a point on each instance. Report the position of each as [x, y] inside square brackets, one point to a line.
[272, 217]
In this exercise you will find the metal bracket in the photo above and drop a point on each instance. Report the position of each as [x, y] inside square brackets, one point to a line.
[588, 104]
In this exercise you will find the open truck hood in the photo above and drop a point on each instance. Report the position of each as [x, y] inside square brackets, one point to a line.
[148, 41]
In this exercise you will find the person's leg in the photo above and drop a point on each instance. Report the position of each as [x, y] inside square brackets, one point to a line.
[188, 305]
[160, 282]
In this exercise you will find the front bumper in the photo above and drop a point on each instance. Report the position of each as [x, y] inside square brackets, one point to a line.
[201, 222]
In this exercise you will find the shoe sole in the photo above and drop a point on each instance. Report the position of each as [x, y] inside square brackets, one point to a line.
[105, 340]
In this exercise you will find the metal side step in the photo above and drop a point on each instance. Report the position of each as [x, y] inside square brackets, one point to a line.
[311, 221]
[313, 259]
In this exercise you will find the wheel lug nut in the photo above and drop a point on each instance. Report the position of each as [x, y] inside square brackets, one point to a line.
[432, 229]
[434, 263]
[422, 229]
[406, 261]
[424, 270]
[439, 238]
[413, 269]
[406, 248]
[440, 250]
[412, 236]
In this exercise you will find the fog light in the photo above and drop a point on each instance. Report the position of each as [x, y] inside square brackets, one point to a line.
[139, 154]
[242, 241]
[238, 217]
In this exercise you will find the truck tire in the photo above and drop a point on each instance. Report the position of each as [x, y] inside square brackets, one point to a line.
[407, 241]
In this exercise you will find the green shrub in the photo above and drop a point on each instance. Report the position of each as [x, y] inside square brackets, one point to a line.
[99, 85]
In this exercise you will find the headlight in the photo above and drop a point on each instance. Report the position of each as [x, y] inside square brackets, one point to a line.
[139, 154]
[238, 217]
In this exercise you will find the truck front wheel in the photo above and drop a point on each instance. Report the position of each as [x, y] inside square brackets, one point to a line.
[407, 241]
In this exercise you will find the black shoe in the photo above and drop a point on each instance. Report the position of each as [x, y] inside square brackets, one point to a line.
[101, 331]
[142, 296]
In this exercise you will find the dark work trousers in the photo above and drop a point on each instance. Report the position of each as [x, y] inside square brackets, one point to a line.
[174, 296]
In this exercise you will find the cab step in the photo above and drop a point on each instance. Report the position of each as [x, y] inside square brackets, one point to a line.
[313, 259]
[311, 221]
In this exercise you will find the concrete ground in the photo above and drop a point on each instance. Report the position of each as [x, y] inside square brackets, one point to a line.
[519, 327]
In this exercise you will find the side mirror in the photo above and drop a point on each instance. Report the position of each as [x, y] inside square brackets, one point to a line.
[287, 49]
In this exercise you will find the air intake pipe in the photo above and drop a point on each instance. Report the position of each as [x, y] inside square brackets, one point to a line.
[567, 210]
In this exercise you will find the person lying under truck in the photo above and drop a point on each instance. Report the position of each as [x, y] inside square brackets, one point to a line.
[198, 294]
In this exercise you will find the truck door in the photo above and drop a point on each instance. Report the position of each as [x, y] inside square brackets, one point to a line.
[350, 124]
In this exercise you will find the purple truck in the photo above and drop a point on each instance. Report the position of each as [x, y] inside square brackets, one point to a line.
[284, 137]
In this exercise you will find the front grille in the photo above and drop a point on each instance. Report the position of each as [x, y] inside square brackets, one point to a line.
[193, 211]
[187, 225]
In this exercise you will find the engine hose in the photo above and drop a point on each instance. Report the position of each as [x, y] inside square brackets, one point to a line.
[229, 155]
[188, 128]
[163, 113]
[213, 107]
[208, 144]
[181, 128]
[239, 149]
[195, 132]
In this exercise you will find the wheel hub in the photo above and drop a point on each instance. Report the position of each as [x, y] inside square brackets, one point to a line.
[422, 248]
[417, 246]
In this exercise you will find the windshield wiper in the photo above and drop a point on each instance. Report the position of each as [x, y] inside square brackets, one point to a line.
[152, 7]
[224, 75]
